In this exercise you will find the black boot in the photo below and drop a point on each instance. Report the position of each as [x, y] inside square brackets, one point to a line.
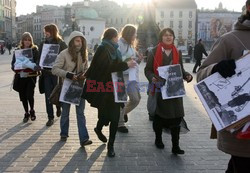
[158, 143]
[111, 152]
[100, 135]
[158, 134]
[175, 133]
[26, 117]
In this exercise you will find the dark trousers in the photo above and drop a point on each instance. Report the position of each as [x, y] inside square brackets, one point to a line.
[50, 82]
[197, 64]
[106, 115]
[174, 126]
[238, 165]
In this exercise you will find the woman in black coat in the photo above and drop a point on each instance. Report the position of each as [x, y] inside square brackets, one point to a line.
[99, 87]
[25, 84]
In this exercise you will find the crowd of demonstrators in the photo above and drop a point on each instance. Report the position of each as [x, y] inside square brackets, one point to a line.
[72, 63]
[127, 48]
[26, 78]
[106, 60]
[170, 112]
[49, 80]
[199, 50]
[224, 52]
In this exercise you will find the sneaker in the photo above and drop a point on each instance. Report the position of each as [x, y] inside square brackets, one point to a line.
[122, 129]
[26, 117]
[177, 150]
[32, 115]
[50, 122]
[64, 138]
[86, 142]
[58, 112]
[125, 118]
[100, 135]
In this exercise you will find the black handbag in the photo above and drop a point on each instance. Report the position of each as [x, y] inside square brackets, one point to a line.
[16, 82]
[41, 84]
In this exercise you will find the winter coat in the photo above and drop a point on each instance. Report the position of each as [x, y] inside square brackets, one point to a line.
[99, 73]
[198, 51]
[170, 108]
[229, 46]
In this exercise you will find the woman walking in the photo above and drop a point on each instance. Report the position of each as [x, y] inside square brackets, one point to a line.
[106, 60]
[169, 113]
[27, 77]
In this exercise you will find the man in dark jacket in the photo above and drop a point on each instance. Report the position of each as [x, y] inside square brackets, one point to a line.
[198, 51]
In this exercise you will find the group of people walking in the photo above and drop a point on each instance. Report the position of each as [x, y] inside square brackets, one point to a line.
[118, 54]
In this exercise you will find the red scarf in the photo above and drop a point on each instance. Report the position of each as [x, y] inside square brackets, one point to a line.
[159, 58]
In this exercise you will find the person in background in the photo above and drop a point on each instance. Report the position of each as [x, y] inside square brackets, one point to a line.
[9, 47]
[170, 112]
[198, 51]
[127, 48]
[51, 37]
[72, 64]
[27, 82]
[224, 52]
[106, 60]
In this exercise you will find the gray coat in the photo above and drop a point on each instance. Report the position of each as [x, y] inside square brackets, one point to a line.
[229, 46]
[170, 108]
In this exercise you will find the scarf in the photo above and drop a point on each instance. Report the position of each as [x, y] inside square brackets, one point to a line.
[158, 60]
[112, 48]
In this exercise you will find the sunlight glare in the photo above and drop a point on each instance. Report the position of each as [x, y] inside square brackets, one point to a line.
[133, 1]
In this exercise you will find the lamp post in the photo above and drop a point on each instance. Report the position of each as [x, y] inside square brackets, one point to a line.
[74, 25]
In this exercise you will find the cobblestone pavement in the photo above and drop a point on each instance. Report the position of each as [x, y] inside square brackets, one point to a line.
[33, 147]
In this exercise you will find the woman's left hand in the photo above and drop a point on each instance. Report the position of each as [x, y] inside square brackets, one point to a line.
[189, 78]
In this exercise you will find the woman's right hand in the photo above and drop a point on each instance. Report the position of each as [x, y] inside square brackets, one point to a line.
[154, 80]
[131, 63]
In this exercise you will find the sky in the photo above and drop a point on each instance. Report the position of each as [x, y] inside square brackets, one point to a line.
[29, 6]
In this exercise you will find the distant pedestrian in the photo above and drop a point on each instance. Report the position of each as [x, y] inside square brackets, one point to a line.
[169, 113]
[72, 64]
[199, 50]
[2, 49]
[9, 47]
[225, 51]
[27, 82]
[190, 51]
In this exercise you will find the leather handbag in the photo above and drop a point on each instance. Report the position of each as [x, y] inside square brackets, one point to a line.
[55, 94]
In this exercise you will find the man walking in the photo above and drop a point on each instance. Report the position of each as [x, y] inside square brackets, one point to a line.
[198, 51]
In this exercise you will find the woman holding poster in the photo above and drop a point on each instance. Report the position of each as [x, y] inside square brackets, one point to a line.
[26, 77]
[170, 112]
[72, 64]
[106, 60]
[49, 80]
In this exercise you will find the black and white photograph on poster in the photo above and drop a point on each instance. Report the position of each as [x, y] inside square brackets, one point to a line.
[49, 54]
[71, 92]
[24, 59]
[174, 86]
[120, 92]
[226, 100]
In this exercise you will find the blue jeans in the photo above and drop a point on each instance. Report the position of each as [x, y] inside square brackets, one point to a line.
[81, 121]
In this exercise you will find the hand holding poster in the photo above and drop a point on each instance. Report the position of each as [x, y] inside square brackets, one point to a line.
[226, 100]
[174, 86]
[71, 92]
[49, 54]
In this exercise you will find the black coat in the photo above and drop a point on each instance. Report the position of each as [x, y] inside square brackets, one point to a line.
[100, 73]
[198, 51]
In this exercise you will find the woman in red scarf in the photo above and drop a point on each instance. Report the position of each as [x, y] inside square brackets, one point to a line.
[170, 112]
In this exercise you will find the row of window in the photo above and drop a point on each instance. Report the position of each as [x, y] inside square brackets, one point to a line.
[121, 21]
[171, 24]
[180, 14]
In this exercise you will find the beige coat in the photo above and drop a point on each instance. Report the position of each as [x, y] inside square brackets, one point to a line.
[229, 46]
[64, 64]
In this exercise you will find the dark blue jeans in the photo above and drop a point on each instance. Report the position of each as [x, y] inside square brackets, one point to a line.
[50, 82]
